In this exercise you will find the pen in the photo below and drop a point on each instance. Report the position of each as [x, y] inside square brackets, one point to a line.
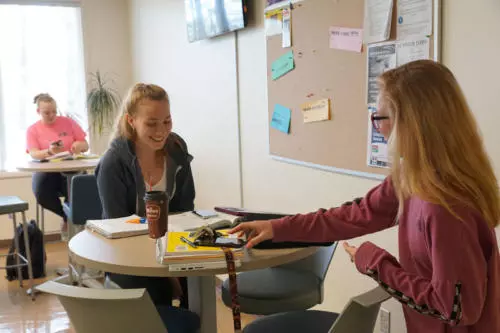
[187, 241]
[137, 221]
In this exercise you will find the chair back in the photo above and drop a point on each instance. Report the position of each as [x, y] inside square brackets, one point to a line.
[104, 311]
[360, 314]
[85, 202]
[318, 262]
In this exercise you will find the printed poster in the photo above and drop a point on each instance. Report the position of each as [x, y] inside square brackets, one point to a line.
[378, 149]
[381, 58]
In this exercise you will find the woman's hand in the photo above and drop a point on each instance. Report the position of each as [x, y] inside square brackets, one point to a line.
[78, 147]
[351, 250]
[55, 148]
[176, 288]
[256, 232]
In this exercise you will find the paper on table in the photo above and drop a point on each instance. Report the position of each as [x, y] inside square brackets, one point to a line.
[414, 18]
[118, 227]
[346, 39]
[381, 58]
[282, 65]
[281, 118]
[411, 50]
[316, 111]
[378, 17]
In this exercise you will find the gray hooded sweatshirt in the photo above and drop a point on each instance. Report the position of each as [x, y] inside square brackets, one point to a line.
[121, 184]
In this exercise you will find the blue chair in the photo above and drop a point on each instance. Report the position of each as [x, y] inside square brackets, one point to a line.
[84, 205]
[290, 287]
[359, 316]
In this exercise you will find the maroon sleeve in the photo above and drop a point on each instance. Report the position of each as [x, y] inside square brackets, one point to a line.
[375, 212]
[457, 290]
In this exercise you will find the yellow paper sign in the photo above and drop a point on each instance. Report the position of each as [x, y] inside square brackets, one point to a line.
[316, 111]
[274, 22]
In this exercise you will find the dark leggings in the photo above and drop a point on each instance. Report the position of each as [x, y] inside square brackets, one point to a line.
[159, 288]
[48, 187]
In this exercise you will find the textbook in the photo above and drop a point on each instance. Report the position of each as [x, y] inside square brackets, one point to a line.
[119, 227]
[178, 251]
[68, 156]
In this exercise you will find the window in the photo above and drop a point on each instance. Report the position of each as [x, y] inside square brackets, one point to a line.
[41, 51]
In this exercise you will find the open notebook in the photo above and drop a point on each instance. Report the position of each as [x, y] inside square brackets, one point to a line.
[118, 228]
[67, 156]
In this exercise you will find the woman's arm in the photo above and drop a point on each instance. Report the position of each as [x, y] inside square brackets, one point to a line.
[186, 193]
[110, 176]
[457, 290]
[38, 154]
[183, 199]
[80, 145]
[375, 212]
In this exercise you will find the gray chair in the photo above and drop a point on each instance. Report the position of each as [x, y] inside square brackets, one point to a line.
[358, 316]
[290, 287]
[13, 205]
[85, 205]
[118, 310]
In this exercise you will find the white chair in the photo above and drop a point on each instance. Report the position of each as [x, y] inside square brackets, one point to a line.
[118, 310]
[358, 316]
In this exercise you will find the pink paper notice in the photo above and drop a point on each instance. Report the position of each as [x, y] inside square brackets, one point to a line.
[346, 39]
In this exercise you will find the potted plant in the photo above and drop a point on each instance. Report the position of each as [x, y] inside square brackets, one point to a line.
[102, 103]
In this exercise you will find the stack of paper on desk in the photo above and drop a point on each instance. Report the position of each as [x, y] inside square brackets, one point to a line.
[118, 228]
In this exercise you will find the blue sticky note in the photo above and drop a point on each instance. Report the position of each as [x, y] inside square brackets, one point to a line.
[282, 65]
[281, 118]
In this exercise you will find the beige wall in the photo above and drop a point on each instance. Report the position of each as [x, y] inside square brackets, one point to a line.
[469, 27]
[201, 81]
[106, 38]
[107, 48]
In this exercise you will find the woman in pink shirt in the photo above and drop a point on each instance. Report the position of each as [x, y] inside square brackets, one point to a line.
[50, 135]
[443, 194]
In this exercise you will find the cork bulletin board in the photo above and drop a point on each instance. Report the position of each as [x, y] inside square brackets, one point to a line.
[320, 72]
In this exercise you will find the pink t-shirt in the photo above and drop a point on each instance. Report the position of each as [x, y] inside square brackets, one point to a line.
[40, 135]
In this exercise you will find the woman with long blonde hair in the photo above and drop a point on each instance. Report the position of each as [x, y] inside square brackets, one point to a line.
[146, 155]
[443, 194]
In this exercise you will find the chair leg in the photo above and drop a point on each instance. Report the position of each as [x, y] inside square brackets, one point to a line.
[41, 224]
[17, 252]
[28, 253]
[43, 220]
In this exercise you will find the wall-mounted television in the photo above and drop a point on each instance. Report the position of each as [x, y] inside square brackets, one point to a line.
[210, 18]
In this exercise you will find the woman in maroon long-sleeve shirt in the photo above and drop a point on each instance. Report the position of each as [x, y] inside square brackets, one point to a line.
[442, 193]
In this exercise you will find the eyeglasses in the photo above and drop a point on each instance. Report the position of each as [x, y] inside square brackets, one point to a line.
[376, 120]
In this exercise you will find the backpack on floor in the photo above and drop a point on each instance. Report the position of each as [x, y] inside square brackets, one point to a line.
[38, 256]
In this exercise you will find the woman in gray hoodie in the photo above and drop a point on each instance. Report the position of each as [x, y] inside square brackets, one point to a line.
[146, 154]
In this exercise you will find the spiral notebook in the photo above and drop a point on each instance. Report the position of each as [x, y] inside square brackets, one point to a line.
[118, 228]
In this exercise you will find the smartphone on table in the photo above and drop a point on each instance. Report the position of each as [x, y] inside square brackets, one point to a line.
[229, 242]
[204, 214]
[57, 143]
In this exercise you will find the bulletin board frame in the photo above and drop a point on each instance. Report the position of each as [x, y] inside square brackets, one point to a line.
[280, 143]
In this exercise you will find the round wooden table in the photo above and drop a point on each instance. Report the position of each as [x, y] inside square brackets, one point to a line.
[137, 256]
[60, 166]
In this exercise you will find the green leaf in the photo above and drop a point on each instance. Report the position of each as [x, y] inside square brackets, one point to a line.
[102, 103]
